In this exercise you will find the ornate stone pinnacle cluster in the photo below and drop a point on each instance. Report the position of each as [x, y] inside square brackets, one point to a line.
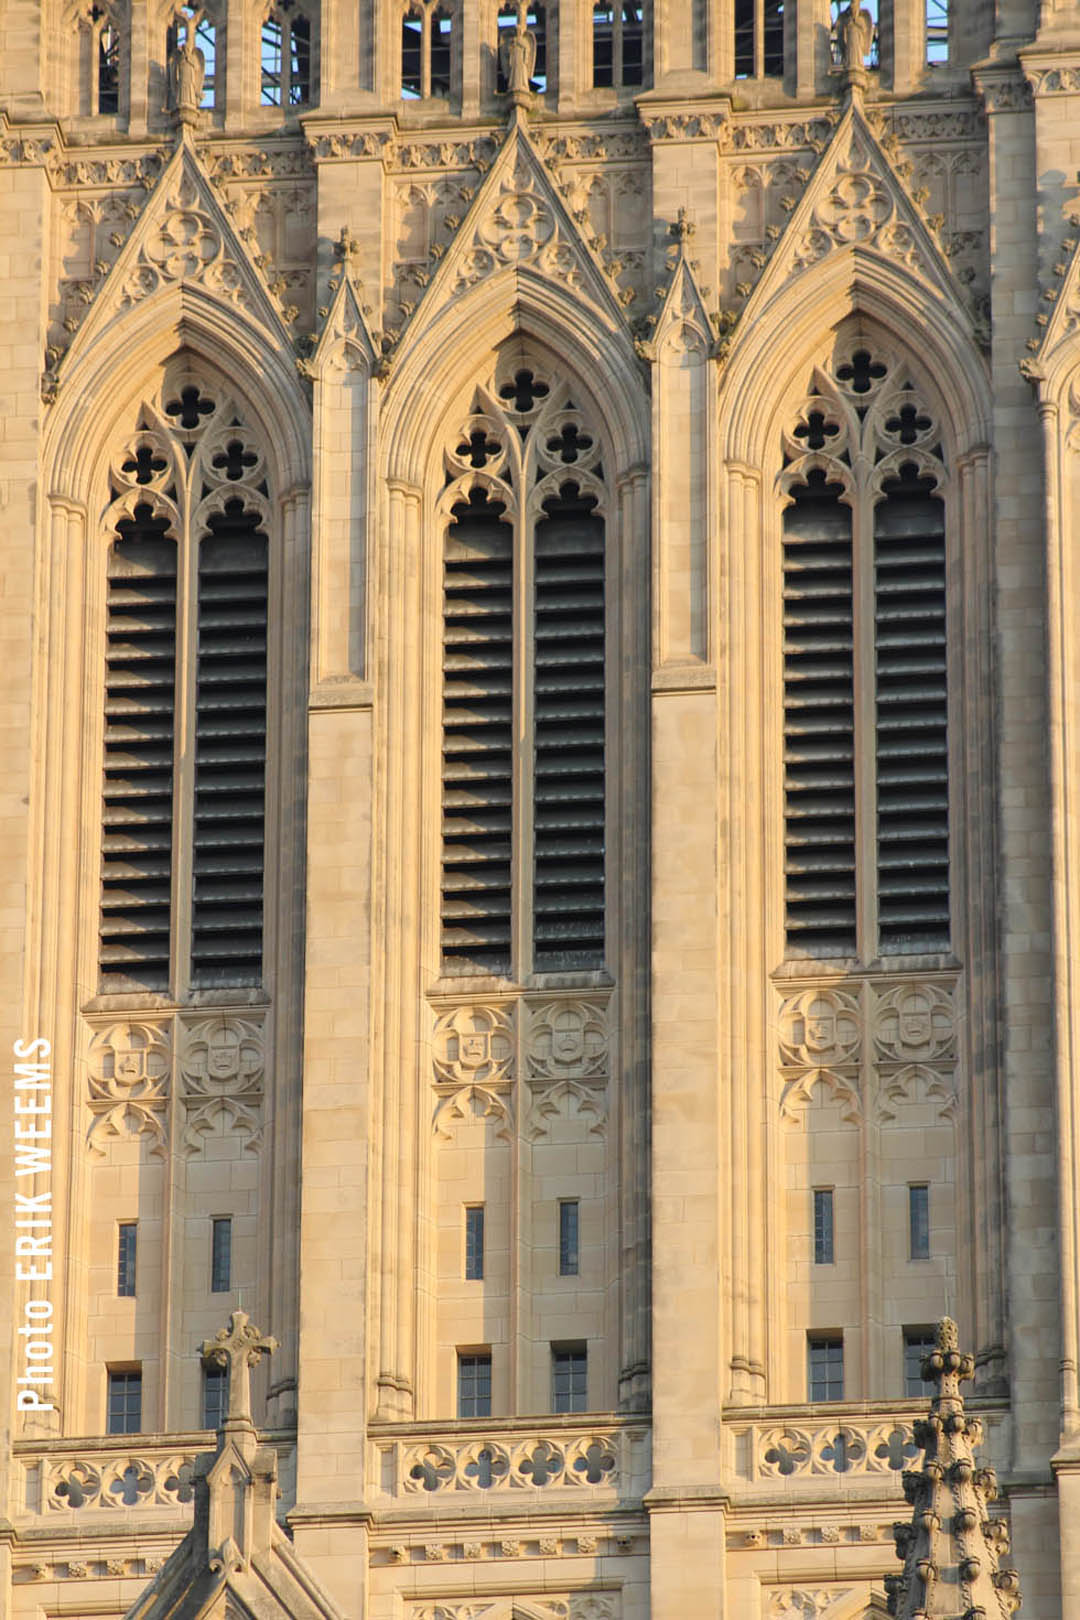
[951, 1548]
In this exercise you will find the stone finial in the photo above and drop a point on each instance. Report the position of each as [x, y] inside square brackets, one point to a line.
[951, 1548]
[238, 1348]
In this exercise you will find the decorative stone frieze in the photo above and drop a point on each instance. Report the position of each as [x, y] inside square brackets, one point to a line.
[128, 1069]
[222, 1062]
[581, 1460]
[562, 1606]
[806, 1602]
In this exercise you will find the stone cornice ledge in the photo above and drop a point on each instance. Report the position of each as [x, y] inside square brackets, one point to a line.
[679, 1498]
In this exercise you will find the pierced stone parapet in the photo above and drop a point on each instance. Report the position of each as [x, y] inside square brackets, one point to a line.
[593, 1458]
[136, 1474]
[880, 1445]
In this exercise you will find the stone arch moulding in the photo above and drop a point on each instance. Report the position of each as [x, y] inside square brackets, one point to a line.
[780, 342]
[430, 369]
[182, 318]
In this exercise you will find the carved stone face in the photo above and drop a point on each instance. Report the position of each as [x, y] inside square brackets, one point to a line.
[915, 1021]
[567, 1038]
[474, 1049]
[821, 1028]
[223, 1055]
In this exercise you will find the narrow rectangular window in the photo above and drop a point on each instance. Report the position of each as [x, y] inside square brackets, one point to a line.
[474, 1243]
[124, 1407]
[221, 1255]
[213, 1397]
[825, 1367]
[918, 1342]
[569, 1378]
[819, 722]
[474, 1384]
[823, 1227]
[126, 1234]
[919, 1222]
[568, 1238]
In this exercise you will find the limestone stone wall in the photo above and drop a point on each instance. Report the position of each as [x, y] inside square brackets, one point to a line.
[692, 290]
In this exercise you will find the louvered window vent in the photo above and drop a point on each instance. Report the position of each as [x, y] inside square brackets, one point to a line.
[568, 776]
[866, 767]
[478, 738]
[524, 627]
[912, 763]
[819, 722]
[136, 906]
[230, 752]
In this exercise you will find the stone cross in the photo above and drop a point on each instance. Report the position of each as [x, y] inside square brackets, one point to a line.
[238, 1348]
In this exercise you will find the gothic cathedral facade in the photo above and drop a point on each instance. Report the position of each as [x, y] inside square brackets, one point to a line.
[539, 858]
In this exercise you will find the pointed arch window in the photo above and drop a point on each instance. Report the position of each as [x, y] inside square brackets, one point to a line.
[185, 695]
[865, 667]
[427, 50]
[524, 649]
[618, 43]
[103, 47]
[287, 57]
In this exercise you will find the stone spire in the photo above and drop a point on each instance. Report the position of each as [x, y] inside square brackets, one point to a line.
[951, 1547]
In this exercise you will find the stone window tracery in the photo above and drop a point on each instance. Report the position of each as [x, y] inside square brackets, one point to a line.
[101, 32]
[288, 51]
[185, 697]
[428, 48]
[524, 628]
[866, 782]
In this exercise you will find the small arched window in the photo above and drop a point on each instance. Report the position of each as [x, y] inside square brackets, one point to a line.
[287, 64]
[210, 41]
[427, 39]
[103, 56]
[618, 43]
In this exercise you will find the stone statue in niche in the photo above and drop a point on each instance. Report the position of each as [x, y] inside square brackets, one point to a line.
[518, 61]
[855, 36]
[187, 70]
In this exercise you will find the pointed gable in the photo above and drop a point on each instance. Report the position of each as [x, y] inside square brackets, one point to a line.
[518, 224]
[183, 238]
[1063, 321]
[683, 322]
[346, 337]
[856, 200]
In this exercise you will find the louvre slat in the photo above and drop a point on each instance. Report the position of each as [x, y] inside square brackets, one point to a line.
[819, 738]
[477, 740]
[569, 740]
[230, 752]
[912, 719]
[140, 673]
